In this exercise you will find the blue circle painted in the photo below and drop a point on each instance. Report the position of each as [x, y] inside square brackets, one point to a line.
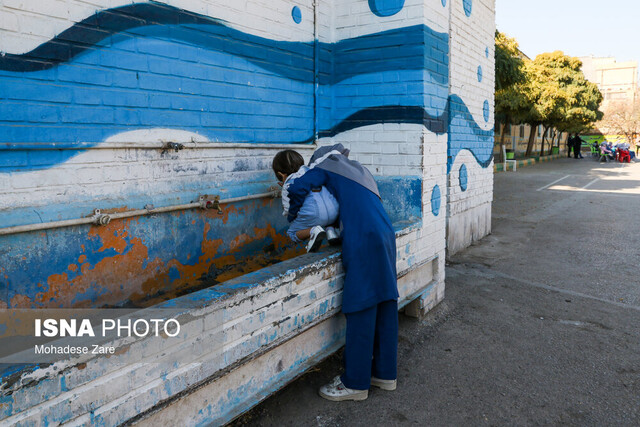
[468, 5]
[485, 110]
[435, 200]
[444, 3]
[296, 14]
[385, 7]
[463, 178]
[479, 73]
[486, 52]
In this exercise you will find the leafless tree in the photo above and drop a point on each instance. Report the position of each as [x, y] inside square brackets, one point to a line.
[621, 118]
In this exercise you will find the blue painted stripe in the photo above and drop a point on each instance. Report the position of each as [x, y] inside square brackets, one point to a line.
[396, 49]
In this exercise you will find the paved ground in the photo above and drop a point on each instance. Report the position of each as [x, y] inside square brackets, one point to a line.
[540, 324]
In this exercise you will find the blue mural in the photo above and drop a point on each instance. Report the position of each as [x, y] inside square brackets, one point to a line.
[463, 177]
[296, 14]
[385, 7]
[148, 65]
[465, 134]
[436, 199]
[467, 5]
[480, 73]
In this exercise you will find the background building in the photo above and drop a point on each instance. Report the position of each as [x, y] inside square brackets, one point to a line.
[618, 81]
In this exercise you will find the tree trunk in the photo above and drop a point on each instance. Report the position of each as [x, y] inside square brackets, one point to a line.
[553, 138]
[532, 139]
[504, 126]
[544, 135]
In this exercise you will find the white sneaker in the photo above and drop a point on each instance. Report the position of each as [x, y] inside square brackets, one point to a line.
[333, 236]
[389, 385]
[317, 236]
[336, 391]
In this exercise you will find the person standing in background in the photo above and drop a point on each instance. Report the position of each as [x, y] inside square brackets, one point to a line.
[577, 146]
[569, 145]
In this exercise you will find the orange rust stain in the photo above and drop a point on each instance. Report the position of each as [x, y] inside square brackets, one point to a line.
[58, 289]
[108, 274]
[152, 284]
[112, 236]
[125, 268]
[24, 258]
[193, 222]
[115, 210]
[227, 210]
[208, 247]
[268, 202]
[82, 246]
[20, 301]
[258, 234]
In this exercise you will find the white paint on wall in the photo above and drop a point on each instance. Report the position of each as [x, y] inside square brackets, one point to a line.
[387, 149]
[154, 135]
[24, 25]
[471, 36]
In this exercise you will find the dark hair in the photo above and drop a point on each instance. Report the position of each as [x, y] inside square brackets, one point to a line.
[287, 162]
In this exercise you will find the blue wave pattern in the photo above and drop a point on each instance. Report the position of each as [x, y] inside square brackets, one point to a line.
[465, 134]
[151, 65]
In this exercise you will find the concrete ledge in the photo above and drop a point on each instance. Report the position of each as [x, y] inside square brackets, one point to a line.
[241, 341]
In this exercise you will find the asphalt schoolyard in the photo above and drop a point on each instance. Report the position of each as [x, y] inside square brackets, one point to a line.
[540, 324]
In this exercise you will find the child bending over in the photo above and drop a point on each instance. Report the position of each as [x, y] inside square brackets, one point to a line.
[318, 212]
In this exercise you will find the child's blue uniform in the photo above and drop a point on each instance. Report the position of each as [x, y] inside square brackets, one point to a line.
[368, 239]
[319, 208]
[369, 259]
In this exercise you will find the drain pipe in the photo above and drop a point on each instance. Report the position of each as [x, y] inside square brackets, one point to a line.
[316, 70]
[49, 146]
[99, 218]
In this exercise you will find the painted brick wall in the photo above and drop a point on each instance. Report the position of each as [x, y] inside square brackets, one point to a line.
[157, 73]
[86, 109]
[470, 161]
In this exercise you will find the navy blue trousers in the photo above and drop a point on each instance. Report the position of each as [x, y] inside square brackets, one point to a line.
[371, 347]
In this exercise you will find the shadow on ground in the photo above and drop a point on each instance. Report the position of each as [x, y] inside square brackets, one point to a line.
[540, 323]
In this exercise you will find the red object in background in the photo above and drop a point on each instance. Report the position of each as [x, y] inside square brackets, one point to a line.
[624, 155]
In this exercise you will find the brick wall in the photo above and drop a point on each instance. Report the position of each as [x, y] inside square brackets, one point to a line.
[470, 172]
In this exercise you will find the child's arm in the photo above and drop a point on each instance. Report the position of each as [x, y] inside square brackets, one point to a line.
[298, 189]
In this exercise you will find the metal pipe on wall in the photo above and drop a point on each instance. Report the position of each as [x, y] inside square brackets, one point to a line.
[141, 145]
[99, 218]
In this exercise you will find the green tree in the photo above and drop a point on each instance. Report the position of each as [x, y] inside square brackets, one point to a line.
[558, 96]
[509, 101]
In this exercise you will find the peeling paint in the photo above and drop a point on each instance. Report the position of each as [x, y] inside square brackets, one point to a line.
[143, 261]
